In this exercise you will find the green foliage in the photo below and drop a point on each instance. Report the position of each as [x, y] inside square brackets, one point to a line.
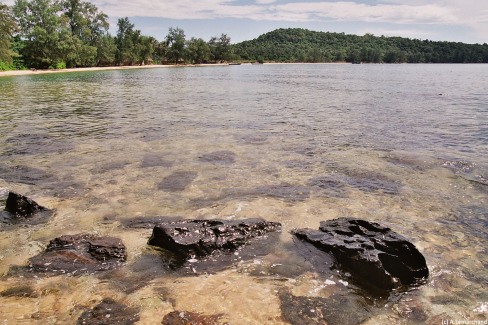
[175, 42]
[8, 27]
[59, 33]
[301, 45]
[220, 48]
[198, 50]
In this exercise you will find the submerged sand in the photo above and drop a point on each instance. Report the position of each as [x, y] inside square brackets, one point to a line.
[35, 71]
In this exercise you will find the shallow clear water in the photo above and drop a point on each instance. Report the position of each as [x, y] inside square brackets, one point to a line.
[402, 145]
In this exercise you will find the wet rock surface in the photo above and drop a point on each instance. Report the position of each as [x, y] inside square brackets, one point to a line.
[177, 181]
[22, 206]
[200, 238]
[377, 258]
[20, 209]
[78, 254]
[108, 312]
[189, 318]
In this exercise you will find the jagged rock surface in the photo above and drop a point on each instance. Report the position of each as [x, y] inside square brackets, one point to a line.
[200, 238]
[376, 257]
[81, 253]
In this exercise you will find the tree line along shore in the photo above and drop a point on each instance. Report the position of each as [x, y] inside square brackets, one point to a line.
[51, 34]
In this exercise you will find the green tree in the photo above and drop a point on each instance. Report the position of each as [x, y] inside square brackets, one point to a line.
[175, 41]
[8, 27]
[220, 48]
[198, 50]
[126, 51]
[89, 26]
[106, 50]
[48, 40]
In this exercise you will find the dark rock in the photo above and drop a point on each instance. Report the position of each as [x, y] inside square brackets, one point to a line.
[189, 318]
[200, 238]
[109, 312]
[177, 181]
[223, 157]
[22, 206]
[20, 210]
[377, 258]
[81, 253]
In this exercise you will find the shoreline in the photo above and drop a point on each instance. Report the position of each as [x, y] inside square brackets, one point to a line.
[13, 73]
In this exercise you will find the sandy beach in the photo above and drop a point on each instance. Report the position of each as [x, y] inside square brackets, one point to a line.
[11, 73]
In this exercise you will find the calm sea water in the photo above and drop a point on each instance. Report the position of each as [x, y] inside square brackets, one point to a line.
[402, 145]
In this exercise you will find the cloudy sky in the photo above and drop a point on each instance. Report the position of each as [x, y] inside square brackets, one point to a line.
[450, 20]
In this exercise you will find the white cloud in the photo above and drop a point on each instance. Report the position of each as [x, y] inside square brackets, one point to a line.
[293, 12]
[469, 14]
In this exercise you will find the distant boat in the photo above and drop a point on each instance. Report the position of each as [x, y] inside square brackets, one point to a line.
[235, 63]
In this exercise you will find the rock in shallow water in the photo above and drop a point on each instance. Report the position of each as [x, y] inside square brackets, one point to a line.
[200, 238]
[21, 210]
[81, 253]
[22, 206]
[377, 258]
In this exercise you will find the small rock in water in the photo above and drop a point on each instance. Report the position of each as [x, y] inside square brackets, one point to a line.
[21, 210]
[199, 238]
[377, 258]
[22, 206]
[79, 254]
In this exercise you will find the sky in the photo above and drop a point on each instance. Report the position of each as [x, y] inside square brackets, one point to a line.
[439, 20]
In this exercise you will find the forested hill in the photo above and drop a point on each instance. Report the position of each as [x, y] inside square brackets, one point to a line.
[301, 45]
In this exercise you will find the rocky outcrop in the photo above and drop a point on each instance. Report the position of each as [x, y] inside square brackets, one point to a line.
[21, 210]
[21, 206]
[199, 238]
[376, 257]
[81, 253]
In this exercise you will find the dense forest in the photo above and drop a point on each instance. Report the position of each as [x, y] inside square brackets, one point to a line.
[301, 45]
[56, 34]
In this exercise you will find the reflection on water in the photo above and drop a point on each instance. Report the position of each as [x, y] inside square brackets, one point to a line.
[402, 145]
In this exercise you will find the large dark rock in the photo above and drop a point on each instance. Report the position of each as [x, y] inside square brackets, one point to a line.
[200, 238]
[376, 257]
[22, 206]
[21, 210]
[81, 253]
